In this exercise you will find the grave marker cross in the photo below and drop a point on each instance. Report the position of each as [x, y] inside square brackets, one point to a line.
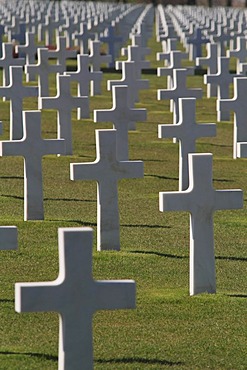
[107, 170]
[63, 102]
[121, 115]
[32, 147]
[76, 296]
[201, 200]
[16, 92]
[187, 131]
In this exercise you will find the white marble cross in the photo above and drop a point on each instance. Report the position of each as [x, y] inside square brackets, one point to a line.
[179, 90]
[32, 147]
[107, 170]
[83, 38]
[187, 131]
[135, 55]
[201, 200]
[43, 68]
[223, 78]
[29, 50]
[211, 61]
[240, 53]
[16, 92]
[96, 59]
[111, 39]
[121, 115]
[239, 106]
[196, 43]
[8, 60]
[76, 296]
[129, 79]
[62, 53]
[63, 102]
[85, 79]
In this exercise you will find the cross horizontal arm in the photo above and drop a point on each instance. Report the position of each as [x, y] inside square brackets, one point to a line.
[228, 199]
[114, 295]
[175, 201]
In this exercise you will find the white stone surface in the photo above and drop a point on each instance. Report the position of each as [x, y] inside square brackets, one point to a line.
[187, 131]
[179, 90]
[32, 147]
[107, 170]
[201, 200]
[239, 106]
[122, 116]
[16, 92]
[63, 102]
[223, 79]
[76, 297]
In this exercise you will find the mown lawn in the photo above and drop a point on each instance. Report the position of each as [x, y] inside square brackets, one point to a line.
[168, 328]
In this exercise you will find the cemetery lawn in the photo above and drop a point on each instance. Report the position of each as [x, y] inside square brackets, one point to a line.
[168, 328]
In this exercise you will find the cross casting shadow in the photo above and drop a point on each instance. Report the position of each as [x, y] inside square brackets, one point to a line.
[139, 360]
[167, 255]
[30, 354]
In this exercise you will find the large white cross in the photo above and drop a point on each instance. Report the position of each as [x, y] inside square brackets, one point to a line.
[187, 131]
[43, 68]
[63, 102]
[239, 106]
[76, 296]
[107, 170]
[16, 92]
[121, 114]
[178, 90]
[201, 200]
[32, 147]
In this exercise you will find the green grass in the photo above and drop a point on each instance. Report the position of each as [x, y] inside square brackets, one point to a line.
[168, 329]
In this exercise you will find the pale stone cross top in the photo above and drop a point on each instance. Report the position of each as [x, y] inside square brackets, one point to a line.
[129, 79]
[29, 50]
[32, 147]
[187, 131]
[196, 42]
[211, 61]
[84, 78]
[76, 296]
[16, 92]
[8, 60]
[63, 102]
[179, 90]
[239, 106]
[135, 55]
[111, 39]
[96, 59]
[201, 200]
[223, 78]
[107, 170]
[62, 53]
[43, 68]
[83, 38]
[240, 53]
[121, 114]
